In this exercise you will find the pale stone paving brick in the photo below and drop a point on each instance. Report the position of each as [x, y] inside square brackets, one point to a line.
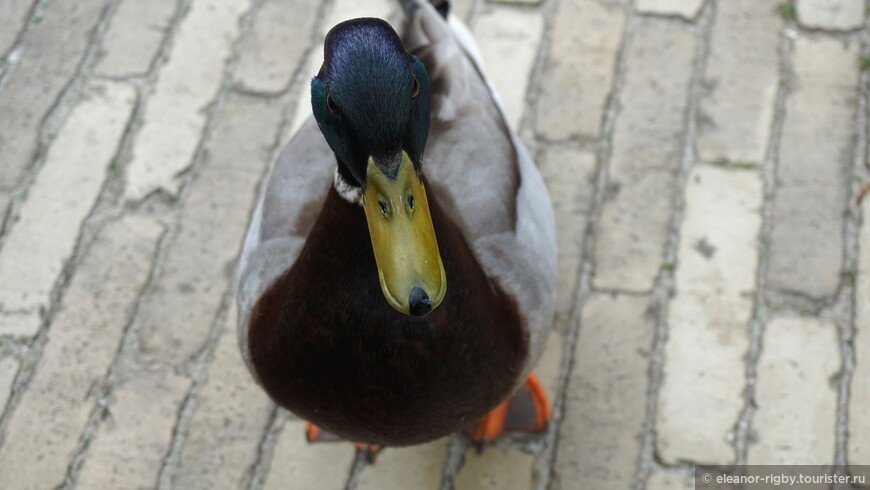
[44, 431]
[341, 10]
[129, 447]
[5, 200]
[8, 371]
[646, 155]
[175, 114]
[461, 8]
[13, 19]
[670, 481]
[508, 41]
[600, 438]
[495, 469]
[702, 392]
[63, 193]
[741, 80]
[298, 464]
[134, 36]
[274, 48]
[569, 175]
[796, 399]
[685, 8]
[815, 155]
[417, 467]
[549, 366]
[831, 14]
[231, 415]
[575, 88]
[54, 50]
[859, 401]
[177, 317]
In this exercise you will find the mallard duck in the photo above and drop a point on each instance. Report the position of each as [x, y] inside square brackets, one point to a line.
[397, 282]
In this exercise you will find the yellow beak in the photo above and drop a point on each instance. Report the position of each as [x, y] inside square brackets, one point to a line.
[409, 265]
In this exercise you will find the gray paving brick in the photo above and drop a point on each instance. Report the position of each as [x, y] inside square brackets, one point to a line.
[298, 464]
[175, 114]
[417, 467]
[600, 438]
[230, 418]
[549, 366]
[569, 175]
[13, 19]
[274, 48]
[46, 427]
[815, 154]
[736, 109]
[495, 469]
[794, 391]
[62, 195]
[134, 36]
[646, 154]
[670, 481]
[461, 8]
[54, 50]
[702, 393]
[575, 91]
[8, 371]
[350, 9]
[840, 15]
[685, 8]
[859, 400]
[177, 317]
[129, 447]
[5, 201]
[509, 41]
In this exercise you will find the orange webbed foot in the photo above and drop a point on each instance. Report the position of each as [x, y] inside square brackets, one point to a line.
[316, 434]
[526, 411]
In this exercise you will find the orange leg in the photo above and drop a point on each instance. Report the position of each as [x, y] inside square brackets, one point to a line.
[542, 405]
[312, 432]
[490, 425]
[315, 434]
[528, 411]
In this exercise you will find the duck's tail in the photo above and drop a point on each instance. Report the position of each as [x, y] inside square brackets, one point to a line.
[442, 6]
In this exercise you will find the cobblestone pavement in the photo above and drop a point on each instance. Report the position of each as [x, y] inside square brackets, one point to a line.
[704, 158]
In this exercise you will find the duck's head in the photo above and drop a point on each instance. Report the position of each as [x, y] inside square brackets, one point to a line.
[371, 102]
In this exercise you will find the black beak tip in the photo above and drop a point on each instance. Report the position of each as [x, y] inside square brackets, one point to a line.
[419, 302]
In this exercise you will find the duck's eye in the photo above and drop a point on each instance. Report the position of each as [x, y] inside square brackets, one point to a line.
[415, 89]
[410, 201]
[383, 206]
[330, 104]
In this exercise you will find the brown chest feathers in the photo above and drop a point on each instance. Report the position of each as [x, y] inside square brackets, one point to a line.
[327, 346]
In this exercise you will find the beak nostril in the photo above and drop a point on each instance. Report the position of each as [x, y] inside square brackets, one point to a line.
[419, 302]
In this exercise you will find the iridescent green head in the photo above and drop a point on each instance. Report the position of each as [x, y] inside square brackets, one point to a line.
[371, 101]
